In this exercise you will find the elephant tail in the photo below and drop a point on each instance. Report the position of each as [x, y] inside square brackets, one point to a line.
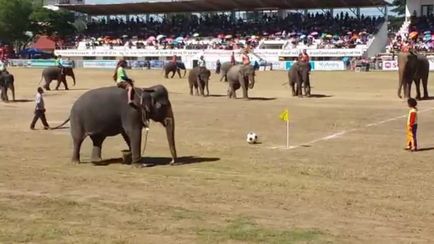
[60, 126]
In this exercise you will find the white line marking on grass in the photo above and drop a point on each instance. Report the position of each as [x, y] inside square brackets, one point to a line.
[344, 132]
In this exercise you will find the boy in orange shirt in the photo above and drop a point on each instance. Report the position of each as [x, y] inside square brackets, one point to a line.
[412, 125]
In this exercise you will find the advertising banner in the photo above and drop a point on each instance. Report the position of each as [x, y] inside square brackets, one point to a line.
[100, 64]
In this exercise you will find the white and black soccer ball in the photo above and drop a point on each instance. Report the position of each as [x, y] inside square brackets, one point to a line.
[252, 138]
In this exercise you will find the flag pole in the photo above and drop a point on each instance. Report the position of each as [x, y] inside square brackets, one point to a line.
[287, 134]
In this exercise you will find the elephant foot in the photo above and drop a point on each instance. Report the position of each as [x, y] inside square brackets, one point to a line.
[96, 160]
[75, 161]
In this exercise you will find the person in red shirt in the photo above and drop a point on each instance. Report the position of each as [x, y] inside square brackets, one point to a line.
[412, 125]
[174, 59]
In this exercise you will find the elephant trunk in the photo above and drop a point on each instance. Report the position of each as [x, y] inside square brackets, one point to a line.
[252, 81]
[169, 123]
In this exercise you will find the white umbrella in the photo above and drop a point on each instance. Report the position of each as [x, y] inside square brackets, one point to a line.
[159, 37]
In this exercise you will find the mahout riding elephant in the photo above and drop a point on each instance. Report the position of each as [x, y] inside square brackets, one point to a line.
[299, 77]
[240, 76]
[199, 79]
[54, 73]
[104, 112]
[6, 82]
[174, 68]
[225, 67]
[413, 67]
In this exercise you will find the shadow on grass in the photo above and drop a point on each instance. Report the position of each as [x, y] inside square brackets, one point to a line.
[319, 96]
[425, 149]
[159, 161]
[20, 101]
[262, 98]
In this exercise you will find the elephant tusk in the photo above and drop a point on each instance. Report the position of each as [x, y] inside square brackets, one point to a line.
[146, 140]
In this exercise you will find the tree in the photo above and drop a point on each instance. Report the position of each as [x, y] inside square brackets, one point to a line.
[14, 20]
[399, 7]
[48, 22]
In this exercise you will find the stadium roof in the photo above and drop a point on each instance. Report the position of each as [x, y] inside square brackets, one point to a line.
[216, 5]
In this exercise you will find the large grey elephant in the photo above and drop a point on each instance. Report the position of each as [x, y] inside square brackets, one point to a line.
[6, 82]
[413, 67]
[54, 73]
[199, 79]
[299, 77]
[174, 68]
[241, 76]
[104, 112]
[225, 67]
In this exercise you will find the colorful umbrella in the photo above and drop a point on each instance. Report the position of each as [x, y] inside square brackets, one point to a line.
[413, 34]
[228, 36]
[314, 33]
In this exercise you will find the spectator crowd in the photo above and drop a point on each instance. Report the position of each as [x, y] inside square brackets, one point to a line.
[314, 30]
[420, 36]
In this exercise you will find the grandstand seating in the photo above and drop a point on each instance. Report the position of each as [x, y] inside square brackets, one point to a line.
[223, 32]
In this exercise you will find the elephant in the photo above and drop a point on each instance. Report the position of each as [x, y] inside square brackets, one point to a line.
[298, 77]
[175, 68]
[199, 78]
[104, 112]
[413, 67]
[240, 76]
[224, 70]
[6, 82]
[54, 73]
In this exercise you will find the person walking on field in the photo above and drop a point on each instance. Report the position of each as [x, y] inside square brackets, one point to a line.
[39, 110]
[412, 125]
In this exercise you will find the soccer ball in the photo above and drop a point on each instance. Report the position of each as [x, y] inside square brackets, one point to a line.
[252, 138]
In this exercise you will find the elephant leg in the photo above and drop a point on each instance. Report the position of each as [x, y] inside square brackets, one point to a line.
[299, 89]
[135, 136]
[179, 73]
[58, 84]
[191, 89]
[65, 84]
[173, 74]
[166, 74]
[244, 87]
[127, 140]
[408, 90]
[200, 87]
[207, 89]
[47, 84]
[417, 82]
[77, 140]
[97, 145]
[307, 88]
[12, 87]
[223, 76]
[425, 87]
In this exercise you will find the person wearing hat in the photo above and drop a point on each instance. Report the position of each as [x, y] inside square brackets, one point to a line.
[122, 80]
